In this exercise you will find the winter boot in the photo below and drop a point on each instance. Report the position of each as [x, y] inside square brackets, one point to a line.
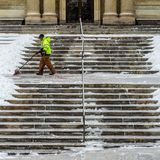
[39, 73]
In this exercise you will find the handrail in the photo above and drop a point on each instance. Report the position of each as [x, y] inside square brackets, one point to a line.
[83, 96]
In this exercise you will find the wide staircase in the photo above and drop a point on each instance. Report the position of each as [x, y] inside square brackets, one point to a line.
[49, 113]
[75, 29]
[102, 54]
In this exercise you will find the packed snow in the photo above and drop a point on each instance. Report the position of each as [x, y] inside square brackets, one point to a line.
[154, 56]
[10, 58]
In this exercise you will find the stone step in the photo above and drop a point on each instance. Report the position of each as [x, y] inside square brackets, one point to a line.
[67, 71]
[79, 90]
[95, 63]
[97, 28]
[78, 113]
[71, 86]
[120, 32]
[79, 95]
[96, 48]
[38, 145]
[71, 107]
[45, 101]
[77, 69]
[100, 67]
[100, 37]
[155, 131]
[74, 119]
[72, 52]
[49, 150]
[88, 55]
[54, 140]
[48, 30]
[98, 41]
[100, 44]
[76, 124]
[76, 91]
[95, 88]
[78, 101]
[62, 118]
[61, 59]
[77, 137]
[75, 57]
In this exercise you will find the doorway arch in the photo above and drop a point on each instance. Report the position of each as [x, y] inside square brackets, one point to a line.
[79, 8]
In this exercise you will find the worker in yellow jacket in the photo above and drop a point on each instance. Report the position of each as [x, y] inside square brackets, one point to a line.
[46, 52]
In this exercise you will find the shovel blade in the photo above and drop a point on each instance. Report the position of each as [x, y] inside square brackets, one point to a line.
[16, 72]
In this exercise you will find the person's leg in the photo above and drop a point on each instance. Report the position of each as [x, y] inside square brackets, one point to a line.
[49, 65]
[41, 66]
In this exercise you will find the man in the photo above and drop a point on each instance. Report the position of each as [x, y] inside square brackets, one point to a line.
[46, 52]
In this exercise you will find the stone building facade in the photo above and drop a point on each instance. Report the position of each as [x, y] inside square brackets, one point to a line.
[110, 12]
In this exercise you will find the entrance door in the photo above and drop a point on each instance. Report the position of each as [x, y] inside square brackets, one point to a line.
[80, 8]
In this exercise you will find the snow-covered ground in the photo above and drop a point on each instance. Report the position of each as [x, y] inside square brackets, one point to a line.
[11, 48]
[126, 153]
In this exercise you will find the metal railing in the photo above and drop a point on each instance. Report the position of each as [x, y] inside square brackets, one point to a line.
[83, 95]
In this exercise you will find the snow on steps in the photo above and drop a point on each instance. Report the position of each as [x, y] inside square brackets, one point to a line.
[49, 116]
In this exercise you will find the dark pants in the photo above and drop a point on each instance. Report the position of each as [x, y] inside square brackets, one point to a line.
[45, 61]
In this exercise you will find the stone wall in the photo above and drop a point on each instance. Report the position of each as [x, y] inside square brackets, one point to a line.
[147, 10]
[12, 9]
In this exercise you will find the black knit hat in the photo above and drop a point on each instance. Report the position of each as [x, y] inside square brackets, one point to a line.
[41, 36]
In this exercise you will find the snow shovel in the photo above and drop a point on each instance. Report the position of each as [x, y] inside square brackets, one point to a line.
[17, 71]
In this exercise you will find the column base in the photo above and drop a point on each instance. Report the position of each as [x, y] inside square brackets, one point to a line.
[33, 19]
[128, 19]
[62, 21]
[110, 20]
[97, 22]
[49, 19]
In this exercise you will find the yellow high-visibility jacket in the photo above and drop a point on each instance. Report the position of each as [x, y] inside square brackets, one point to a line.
[46, 45]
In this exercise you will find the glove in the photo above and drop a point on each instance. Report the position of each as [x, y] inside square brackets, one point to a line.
[38, 52]
[42, 52]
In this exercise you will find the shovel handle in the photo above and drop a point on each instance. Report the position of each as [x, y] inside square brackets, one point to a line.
[27, 61]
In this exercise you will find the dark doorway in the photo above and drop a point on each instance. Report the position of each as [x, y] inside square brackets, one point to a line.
[80, 8]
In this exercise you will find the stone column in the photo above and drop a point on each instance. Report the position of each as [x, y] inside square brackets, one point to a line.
[97, 13]
[32, 12]
[110, 12]
[62, 11]
[127, 15]
[49, 15]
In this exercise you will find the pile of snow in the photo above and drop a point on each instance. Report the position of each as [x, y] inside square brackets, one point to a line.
[156, 95]
[10, 58]
[154, 57]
